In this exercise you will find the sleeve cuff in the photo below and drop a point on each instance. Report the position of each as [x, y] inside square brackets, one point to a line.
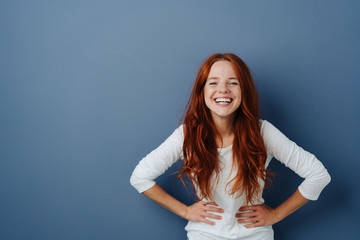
[142, 187]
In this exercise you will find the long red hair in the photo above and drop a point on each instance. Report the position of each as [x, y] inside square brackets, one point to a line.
[200, 148]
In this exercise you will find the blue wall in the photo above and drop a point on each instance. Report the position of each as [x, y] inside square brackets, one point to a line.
[87, 88]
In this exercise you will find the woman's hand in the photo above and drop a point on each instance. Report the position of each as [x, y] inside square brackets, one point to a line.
[199, 212]
[257, 215]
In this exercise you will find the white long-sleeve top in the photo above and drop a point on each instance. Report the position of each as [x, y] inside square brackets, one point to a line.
[277, 145]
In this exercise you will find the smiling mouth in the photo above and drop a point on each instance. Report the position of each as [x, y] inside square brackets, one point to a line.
[223, 100]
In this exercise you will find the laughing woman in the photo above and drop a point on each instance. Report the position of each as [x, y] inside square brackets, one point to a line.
[226, 148]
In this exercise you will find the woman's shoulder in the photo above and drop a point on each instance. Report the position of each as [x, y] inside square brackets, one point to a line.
[180, 129]
[178, 133]
[264, 124]
[268, 130]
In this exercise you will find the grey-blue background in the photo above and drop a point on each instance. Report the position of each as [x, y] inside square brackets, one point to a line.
[89, 87]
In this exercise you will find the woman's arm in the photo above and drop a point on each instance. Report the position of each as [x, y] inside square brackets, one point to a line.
[157, 161]
[262, 215]
[155, 164]
[302, 162]
[305, 164]
[292, 204]
[197, 212]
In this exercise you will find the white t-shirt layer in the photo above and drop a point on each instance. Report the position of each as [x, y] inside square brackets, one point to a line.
[305, 164]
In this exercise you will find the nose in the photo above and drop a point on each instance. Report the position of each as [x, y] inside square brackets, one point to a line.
[223, 88]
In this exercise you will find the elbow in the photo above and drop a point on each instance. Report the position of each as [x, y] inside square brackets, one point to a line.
[133, 180]
[327, 179]
[311, 188]
[140, 184]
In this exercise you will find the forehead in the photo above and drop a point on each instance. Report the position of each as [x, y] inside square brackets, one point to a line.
[222, 68]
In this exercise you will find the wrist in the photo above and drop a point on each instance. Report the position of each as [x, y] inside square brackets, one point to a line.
[185, 212]
[277, 215]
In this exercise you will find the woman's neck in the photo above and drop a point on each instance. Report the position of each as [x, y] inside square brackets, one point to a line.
[225, 130]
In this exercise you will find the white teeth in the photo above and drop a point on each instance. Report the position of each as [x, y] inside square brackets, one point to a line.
[223, 100]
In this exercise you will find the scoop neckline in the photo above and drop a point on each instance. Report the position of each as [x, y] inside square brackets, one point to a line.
[225, 147]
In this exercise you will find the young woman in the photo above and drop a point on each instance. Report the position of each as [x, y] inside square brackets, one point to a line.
[226, 149]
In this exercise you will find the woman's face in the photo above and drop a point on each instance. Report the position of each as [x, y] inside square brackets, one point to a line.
[222, 91]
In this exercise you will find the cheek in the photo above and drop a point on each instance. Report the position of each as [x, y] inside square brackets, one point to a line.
[207, 101]
[239, 95]
[207, 94]
[240, 100]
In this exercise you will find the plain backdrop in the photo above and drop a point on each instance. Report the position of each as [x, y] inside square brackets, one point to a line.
[89, 87]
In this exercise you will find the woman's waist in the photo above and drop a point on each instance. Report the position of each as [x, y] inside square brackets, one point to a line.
[227, 229]
[228, 224]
